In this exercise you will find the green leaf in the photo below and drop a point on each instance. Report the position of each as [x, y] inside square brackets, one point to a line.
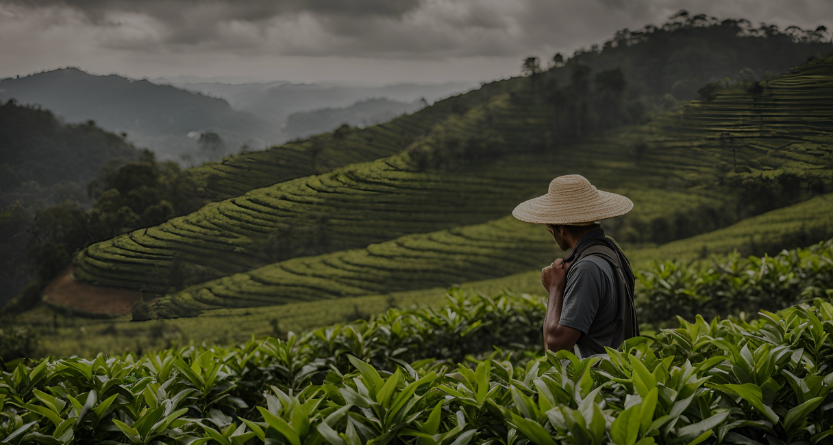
[255, 428]
[128, 431]
[37, 371]
[352, 436]
[384, 394]
[299, 419]
[92, 398]
[464, 438]
[626, 427]
[643, 380]
[696, 429]
[45, 412]
[146, 422]
[818, 437]
[53, 403]
[19, 432]
[532, 430]
[329, 434]
[798, 413]
[371, 377]
[701, 438]
[597, 424]
[403, 397]
[280, 426]
[482, 376]
[752, 394]
[733, 437]
[214, 434]
[104, 405]
[432, 425]
[647, 408]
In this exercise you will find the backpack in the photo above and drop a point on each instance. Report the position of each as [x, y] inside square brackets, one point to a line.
[627, 313]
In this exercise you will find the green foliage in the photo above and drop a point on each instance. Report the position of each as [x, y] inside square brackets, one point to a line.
[129, 195]
[733, 381]
[38, 147]
[17, 342]
[43, 162]
[735, 285]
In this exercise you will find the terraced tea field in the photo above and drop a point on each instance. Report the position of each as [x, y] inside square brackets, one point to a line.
[388, 193]
[437, 259]
[359, 205]
[238, 174]
[783, 227]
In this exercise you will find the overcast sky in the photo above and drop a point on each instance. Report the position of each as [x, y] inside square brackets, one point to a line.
[353, 41]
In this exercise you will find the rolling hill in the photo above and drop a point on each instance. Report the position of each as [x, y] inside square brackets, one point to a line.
[158, 117]
[711, 158]
[676, 59]
[38, 147]
[44, 162]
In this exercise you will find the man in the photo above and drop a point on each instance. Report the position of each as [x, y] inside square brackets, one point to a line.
[590, 304]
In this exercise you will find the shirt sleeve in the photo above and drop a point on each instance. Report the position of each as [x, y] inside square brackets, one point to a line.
[582, 296]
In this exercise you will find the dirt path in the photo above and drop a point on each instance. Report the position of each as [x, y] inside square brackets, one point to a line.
[65, 291]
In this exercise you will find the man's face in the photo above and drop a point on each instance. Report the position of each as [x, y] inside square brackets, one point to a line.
[556, 234]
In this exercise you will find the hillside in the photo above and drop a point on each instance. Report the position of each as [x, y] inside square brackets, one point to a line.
[158, 117]
[793, 226]
[677, 58]
[683, 54]
[44, 162]
[238, 174]
[38, 147]
[686, 164]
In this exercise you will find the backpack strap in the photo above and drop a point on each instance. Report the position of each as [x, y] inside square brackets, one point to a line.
[627, 313]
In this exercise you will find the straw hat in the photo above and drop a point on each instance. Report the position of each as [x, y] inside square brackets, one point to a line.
[572, 200]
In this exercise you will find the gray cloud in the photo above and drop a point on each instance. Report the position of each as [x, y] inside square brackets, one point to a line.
[267, 37]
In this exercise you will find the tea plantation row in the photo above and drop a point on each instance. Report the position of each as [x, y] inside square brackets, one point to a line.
[462, 255]
[62, 333]
[763, 381]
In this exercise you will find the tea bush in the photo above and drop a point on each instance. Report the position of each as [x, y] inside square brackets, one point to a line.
[734, 285]
[764, 381]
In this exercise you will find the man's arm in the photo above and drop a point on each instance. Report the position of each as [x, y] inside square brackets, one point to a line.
[556, 336]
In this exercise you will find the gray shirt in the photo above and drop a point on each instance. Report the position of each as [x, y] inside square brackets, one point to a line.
[591, 304]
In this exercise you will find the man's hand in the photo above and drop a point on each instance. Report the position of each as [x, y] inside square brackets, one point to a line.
[554, 276]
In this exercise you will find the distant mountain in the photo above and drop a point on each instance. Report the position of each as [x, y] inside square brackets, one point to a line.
[360, 114]
[280, 99]
[159, 117]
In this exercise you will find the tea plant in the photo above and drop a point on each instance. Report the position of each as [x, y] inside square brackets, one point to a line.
[762, 381]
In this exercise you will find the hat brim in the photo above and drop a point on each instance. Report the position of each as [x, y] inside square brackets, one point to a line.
[547, 210]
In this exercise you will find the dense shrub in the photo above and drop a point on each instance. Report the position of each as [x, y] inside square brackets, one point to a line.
[17, 342]
[766, 381]
[734, 285]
